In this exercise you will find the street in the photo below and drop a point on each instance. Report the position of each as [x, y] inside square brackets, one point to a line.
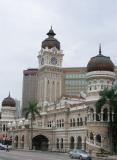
[20, 155]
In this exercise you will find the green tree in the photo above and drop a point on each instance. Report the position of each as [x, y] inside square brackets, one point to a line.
[30, 112]
[108, 96]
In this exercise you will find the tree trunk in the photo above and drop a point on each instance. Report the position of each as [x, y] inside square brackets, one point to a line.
[111, 131]
[31, 133]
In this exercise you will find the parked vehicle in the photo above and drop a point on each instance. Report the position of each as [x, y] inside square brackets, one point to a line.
[80, 154]
[71, 151]
[2, 148]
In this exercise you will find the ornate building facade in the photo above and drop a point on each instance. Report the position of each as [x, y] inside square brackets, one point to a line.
[8, 114]
[68, 118]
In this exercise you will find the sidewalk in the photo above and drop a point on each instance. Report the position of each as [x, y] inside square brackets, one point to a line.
[113, 157]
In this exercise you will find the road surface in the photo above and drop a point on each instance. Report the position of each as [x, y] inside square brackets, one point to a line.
[36, 155]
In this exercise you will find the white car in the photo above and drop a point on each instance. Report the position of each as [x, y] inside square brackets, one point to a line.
[80, 154]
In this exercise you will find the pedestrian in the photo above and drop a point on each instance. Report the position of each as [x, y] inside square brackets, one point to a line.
[7, 148]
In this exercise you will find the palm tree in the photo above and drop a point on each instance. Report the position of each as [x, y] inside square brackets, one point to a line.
[108, 96]
[30, 112]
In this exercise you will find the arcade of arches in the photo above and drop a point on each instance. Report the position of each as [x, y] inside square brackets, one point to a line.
[41, 142]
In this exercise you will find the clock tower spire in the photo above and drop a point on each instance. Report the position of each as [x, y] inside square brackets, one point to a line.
[50, 70]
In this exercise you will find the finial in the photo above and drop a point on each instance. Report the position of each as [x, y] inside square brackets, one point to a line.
[51, 32]
[9, 94]
[100, 50]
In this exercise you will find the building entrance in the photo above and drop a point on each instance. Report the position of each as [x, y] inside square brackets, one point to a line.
[40, 142]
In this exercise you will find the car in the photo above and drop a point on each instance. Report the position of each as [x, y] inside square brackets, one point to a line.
[71, 151]
[80, 154]
[2, 148]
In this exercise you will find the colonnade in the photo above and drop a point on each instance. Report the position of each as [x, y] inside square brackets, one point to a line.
[103, 116]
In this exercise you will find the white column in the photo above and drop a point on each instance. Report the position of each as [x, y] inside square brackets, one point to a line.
[41, 91]
[55, 90]
[60, 87]
[88, 120]
[83, 142]
[89, 117]
[50, 91]
[102, 139]
[45, 89]
[94, 116]
[75, 141]
[109, 116]
[101, 116]
[94, 139]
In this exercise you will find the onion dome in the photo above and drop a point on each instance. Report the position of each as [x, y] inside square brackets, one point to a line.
[8, 102]
[51, 42]
[100, 63]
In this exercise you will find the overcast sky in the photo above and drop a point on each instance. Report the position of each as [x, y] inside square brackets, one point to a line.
[80, 26]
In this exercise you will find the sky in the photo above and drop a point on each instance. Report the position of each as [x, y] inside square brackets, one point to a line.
[80, 25]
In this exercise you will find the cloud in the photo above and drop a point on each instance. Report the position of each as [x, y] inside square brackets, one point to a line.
[80, 27]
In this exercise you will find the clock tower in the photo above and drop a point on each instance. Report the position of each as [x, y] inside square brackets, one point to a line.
[50, 70]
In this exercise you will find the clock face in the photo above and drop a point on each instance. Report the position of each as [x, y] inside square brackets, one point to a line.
[53, 60]
[42, 61]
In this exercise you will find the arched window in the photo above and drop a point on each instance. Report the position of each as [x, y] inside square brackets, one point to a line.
[73, 122]
[105, 114]
[57, 143]
[50, 124]
[10, 141]
[70, 122]
[91, 136]
[62, 122]
[22, 142]
[72, 143]
[92, 113]
[85, 120]
[61, 143]
[77, 121]
[57, 124]
[16, 141]
[79, 142]
[81, 122]
[98, 138]
[98, 116]
[4, 127]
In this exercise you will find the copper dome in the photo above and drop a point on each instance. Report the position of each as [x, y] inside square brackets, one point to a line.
[100, 63]
[51, 42]
[8, 102]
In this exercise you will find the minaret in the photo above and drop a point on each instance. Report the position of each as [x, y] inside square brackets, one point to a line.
[50, 72]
